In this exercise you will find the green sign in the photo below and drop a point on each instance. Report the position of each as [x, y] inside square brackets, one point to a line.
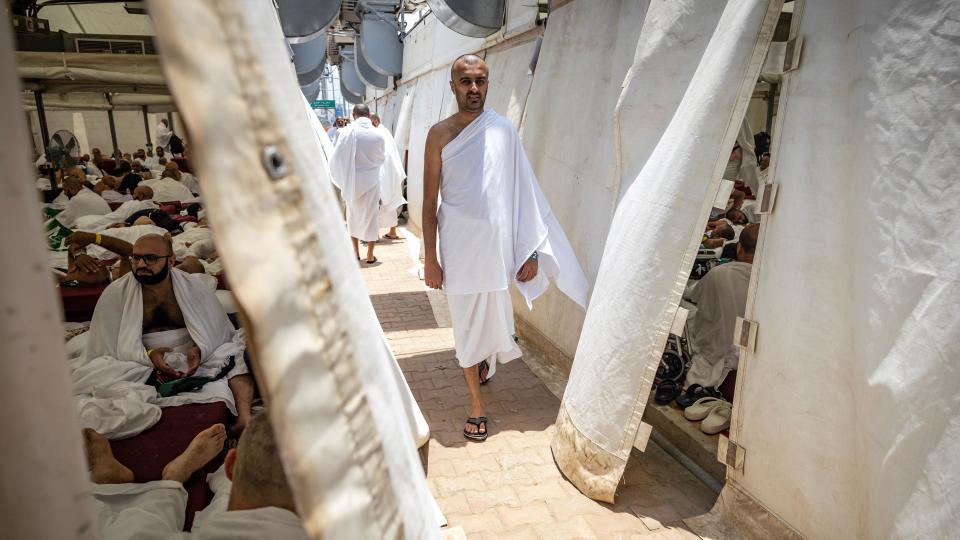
[324, 104]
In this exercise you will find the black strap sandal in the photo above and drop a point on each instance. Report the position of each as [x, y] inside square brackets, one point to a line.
[478, 436]
[373, 261]
[482, 370]
[388, 237]
[667, 391]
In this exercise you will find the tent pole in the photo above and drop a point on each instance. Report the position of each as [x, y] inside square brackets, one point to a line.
[146, 126]
[113, 135]
[42, 118]
[170, 120]
[771, 96]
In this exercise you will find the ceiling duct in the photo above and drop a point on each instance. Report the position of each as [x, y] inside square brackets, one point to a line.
[381, 46]
[348, 95]
[367, 74]
[348, 72]
[312, 90]
[303, 20]
[473, 18]
[309, 54]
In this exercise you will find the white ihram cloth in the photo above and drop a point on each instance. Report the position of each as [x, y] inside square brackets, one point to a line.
[125, 210]
[156, 511]
[168, 189]
[84, 203]
[163, 136]
[108, 378]
[391, 180]
[492, 217]
[721, 297]
[323, 138]
[191, 182]
[355, 169]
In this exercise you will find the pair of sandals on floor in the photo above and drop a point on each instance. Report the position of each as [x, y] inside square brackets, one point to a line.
[480, 422]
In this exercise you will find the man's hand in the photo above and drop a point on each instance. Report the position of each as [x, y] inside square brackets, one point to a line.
[528, 271]
[193, 361]
[79, 240]
[433, 274]
[87, 264]
[156, 358]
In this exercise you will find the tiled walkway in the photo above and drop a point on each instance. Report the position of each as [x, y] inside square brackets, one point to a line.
[508, 486]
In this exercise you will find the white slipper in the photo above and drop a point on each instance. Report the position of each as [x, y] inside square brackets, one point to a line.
[718, 419]
[701, 408]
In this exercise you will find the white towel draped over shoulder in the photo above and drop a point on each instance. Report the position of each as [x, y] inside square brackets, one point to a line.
[357, 158]
[115, 358]
[493, 216]
[84, 203]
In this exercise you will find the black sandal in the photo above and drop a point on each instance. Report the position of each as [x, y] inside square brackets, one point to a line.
[388, 237]
[478, 436]
[372, 262]
[483, 366]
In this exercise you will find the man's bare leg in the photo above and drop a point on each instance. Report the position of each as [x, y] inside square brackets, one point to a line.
[242, 388]
[477, 407]
[356, 246]
[392, 234]
[104, 468]
[370, 251]
[203, 448]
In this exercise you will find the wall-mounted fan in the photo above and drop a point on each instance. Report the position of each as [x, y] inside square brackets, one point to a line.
[63, 150]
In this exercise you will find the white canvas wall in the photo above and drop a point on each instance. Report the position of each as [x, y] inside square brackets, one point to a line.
[848, 408]
[96, 128]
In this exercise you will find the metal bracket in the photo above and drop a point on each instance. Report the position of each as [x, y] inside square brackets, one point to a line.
[745, 334]
[782, 57]
[767, 198]
[730, 453]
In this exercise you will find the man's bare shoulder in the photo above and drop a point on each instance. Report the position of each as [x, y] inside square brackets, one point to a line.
[443, 132]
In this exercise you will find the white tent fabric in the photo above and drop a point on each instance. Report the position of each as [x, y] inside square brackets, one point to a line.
[336, 403]
[43, 478]
[633, 305]
[847, 410]
[89, 67]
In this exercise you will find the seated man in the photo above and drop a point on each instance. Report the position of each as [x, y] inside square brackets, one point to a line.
[161, 327]
[82, 201]
[719, 235]
[128, 179]
[168, 188]
[721, 297]
[107, 188]
[142, 200]
[184, 178]
[255, 502]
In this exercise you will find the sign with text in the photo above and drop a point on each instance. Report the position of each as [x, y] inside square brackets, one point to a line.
[324, 104]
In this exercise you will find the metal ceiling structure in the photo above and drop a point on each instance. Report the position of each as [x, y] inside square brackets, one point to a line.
[473, 18]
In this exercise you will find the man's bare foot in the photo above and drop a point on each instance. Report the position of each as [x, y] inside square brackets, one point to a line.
[104, 468]
[203, 448]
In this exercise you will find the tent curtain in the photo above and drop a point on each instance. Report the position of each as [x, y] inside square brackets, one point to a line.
[856, 291]
[335, 400]
[662, 213]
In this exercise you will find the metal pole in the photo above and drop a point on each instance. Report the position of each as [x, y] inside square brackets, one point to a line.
[770, 107]
[113, 135]
[42, 118]
[146, 126]
[170, 119]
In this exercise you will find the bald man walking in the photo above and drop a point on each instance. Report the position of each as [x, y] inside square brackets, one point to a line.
[494, 228]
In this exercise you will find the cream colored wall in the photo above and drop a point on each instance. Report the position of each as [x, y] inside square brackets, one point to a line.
[92, 128]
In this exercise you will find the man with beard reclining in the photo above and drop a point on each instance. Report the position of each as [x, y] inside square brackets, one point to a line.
[159, 327]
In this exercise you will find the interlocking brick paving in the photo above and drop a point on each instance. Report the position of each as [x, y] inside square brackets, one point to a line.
[508, 486]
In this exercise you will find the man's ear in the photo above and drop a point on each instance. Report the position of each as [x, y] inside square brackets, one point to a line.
[229, 461]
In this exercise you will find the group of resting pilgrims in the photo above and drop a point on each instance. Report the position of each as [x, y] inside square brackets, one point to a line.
[161, 337]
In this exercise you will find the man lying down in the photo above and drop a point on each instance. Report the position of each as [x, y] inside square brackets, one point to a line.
[252, 498]
[159, 338]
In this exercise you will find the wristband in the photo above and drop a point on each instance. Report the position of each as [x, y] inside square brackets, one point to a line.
[97, 239]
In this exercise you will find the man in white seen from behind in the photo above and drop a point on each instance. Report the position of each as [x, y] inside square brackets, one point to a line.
[494, 226]
[391, 181]
[355, 168]
[163, 135]
[82, 201]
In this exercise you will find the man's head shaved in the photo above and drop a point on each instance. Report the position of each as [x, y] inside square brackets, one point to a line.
[163, 244]
[466, 60]
[748, 238]
[361, 110]
[142, 193]
[257, 472]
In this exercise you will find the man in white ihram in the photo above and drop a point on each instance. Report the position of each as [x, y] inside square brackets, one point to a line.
[495, 227]
[391, 181]
[164, 133]
[355, 168]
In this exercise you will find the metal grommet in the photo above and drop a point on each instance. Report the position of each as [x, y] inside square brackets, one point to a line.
[275, 162]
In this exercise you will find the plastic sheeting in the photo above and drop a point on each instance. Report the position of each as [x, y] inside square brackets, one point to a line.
[660, 217]
[88, 67]
[848, 408]
[335, 402]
